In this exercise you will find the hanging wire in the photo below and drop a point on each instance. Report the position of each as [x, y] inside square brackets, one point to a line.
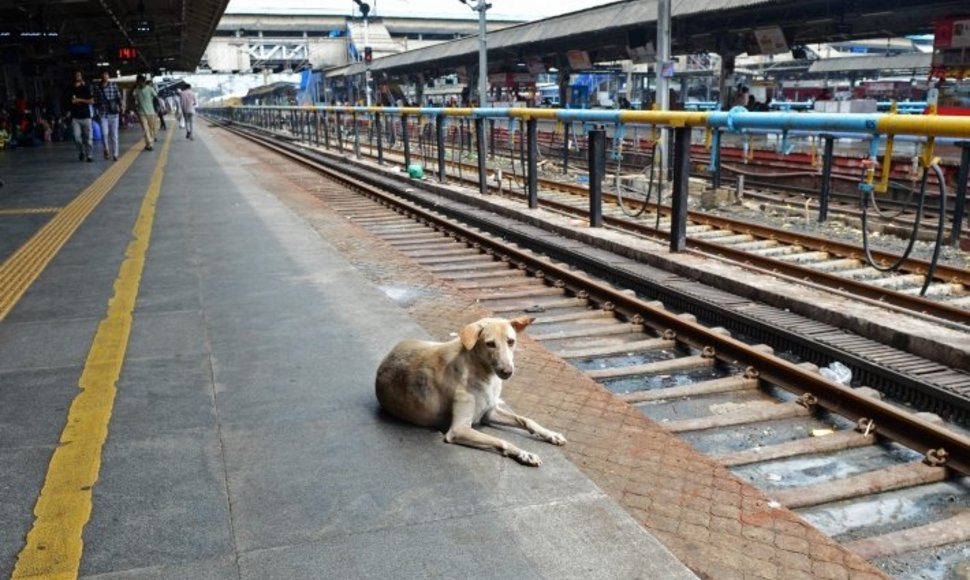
[865, 200]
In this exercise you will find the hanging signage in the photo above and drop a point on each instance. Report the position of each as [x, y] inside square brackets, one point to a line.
[127, 53]
[771, 40]
[578, 60]
[951, 47]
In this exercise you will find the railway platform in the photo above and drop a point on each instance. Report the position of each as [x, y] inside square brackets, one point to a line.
[187, 352]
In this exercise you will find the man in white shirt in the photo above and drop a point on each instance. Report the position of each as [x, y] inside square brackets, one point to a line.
[189, 102]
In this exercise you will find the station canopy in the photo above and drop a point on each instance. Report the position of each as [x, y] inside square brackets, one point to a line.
[126, 35]
[726, 27]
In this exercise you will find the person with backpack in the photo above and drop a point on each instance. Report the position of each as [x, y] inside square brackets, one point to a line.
[145, 96]
[108, 101]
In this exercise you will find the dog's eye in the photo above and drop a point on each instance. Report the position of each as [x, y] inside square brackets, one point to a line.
[511, 342]
[490, 344]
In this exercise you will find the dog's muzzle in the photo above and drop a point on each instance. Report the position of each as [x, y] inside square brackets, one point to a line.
[504, 373]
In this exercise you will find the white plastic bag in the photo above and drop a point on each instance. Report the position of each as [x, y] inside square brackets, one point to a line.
[837, 372]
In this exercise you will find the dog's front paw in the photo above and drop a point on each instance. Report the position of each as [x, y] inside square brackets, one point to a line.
[555, 438]
[526, 458]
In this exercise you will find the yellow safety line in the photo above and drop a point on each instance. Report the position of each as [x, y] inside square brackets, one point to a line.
[20, 270]
[54, 543]
[26, 210]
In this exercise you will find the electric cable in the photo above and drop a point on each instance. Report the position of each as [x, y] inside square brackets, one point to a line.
[941, 225]
[864, 203]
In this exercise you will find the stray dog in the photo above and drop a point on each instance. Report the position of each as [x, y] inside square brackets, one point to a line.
[452, 385]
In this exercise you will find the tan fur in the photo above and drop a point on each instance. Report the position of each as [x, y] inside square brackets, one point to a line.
[453, 385]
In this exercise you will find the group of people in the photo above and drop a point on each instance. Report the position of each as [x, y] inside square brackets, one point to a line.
[103, 102]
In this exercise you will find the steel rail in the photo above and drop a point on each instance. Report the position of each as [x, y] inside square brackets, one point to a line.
[889, 421]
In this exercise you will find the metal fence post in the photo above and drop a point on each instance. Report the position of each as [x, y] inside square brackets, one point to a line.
[439, 135]
[356, 135]
[596, 148]
[406, 140]
[827, 157]
[567, 129]
[491, 138]
[316, 127]
[678, 205]
[340, 133]
[380, 138]
[480, 144]
[960, 193]
[532, 131]
[716, 159]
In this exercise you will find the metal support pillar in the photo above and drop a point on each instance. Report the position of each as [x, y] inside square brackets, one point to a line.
[480, 143]
[316, 127]
[596, 147]
[824, 193]
[406, 140]
[960, 194]
[380, 138]
[678, 204]
[326, 130]
[716, 158]
[340, 133]
[567, 129]
[356, 135]
[491, 138]
[532, 134]
[439, 135]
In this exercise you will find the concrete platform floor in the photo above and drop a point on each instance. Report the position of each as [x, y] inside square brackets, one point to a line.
[244, 438]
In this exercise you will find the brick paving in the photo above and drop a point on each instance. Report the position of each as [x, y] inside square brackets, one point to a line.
[717, 524]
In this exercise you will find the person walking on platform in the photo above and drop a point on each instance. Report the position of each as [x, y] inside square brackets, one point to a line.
[81, 101]
[109, 104]
[189, 102]
[145, 94]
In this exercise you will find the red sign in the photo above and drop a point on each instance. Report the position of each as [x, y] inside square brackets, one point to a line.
[128, 53]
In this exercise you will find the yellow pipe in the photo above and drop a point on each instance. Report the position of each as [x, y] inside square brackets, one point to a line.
[927, 157]
[927, 125]
[671, 118]
[887, 164]
[526, 114]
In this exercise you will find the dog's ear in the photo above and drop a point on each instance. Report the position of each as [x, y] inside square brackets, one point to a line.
[469, 335]
[521, 322]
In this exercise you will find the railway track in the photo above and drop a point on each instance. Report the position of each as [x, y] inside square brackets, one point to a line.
[829, 452]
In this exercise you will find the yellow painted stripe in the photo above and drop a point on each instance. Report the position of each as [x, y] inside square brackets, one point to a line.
[27, 210]
[54, 543]
[20, 270]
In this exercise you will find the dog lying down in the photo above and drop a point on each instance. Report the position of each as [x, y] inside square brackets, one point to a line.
[453, 385]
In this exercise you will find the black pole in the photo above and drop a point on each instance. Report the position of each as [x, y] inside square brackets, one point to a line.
[596, 148]
[961, 193]
[353, 119]
[826, 190]
[491, 138]
[678, 206]
[406, 140]
[480, 143]
[380, 139]
[565, 147]
[326, 130]
[340, 134]
[532, 130]
[316, 127]
[716, 156]
[439, 130]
